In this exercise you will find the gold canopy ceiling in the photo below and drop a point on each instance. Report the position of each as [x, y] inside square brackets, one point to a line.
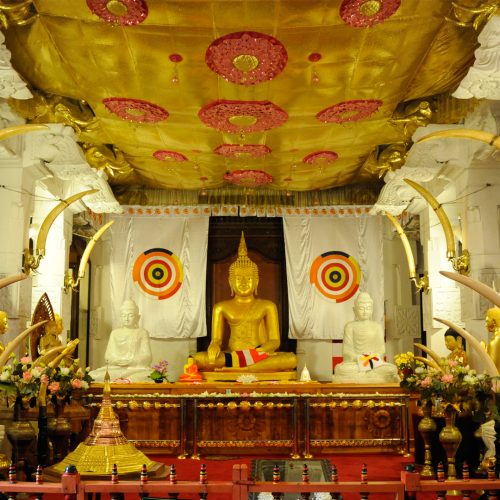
[302, 95]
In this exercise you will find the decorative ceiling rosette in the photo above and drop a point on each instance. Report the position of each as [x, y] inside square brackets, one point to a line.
[349, 111]
[242, 116]
[320, 157]
[164, 155]
[238, 150]
[135, 110]
[362, 13]
[248, 178]
[246, 57]
[124, 12]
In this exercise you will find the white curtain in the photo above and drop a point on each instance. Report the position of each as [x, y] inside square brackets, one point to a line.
[182, 314]
[312, 314]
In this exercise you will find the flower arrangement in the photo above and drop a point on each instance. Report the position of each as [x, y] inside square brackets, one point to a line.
[448, 383]
[159, 373]
[22, 378]
[406, 363]
[63, 380]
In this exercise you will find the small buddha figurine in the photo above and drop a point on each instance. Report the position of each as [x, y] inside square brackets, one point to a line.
[493, 327]
[191, 373]
[254, 336]
[454, 343]
[363, 349]
[128, 353]
[50, 337]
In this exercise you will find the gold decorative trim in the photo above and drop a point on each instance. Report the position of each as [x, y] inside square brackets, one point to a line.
[244, 406]
[365, 443]
[245, 444]
[164, 443]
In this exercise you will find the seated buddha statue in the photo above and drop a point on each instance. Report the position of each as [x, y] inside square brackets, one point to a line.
[128, 353]
[191, 373]
[363, 349]
[493, 327]
[454, 343]
[254, 336]
[50, 337]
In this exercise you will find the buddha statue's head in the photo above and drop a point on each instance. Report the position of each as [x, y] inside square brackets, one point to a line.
[363, 306]
[4, 322]
[493, 319]
[55, 326]
[243, 273]
[129, 314]
[453, 340]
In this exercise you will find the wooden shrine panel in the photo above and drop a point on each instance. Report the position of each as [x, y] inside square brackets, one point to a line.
[298, 419]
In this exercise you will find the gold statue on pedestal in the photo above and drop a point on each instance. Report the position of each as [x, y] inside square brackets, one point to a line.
[254, 331]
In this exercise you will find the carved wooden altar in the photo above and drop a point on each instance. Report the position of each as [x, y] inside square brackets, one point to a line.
[299, 419]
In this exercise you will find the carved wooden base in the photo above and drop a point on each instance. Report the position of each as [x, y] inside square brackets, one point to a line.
[287, 418]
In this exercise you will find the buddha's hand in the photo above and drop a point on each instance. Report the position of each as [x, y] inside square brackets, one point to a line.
[213, 352]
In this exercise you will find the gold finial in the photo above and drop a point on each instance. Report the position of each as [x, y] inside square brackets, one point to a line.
[242, 249]
[106, 392]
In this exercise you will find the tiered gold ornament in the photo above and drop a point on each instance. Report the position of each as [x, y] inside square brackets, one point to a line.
[106, 445]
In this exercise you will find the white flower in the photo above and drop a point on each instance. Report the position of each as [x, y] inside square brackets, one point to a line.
[64, 370]
[85, 385]
[470, 380]
[4, 376]
[37, 371]
[419, 369]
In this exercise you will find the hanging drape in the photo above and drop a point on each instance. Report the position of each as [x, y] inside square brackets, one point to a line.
[159, 260]
[329, 260]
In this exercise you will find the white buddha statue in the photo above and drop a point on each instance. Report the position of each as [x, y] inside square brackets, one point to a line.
[363, 349]
[128, 354]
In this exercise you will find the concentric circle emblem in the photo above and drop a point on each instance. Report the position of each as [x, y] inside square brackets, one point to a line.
[336, 275]
[158, 272]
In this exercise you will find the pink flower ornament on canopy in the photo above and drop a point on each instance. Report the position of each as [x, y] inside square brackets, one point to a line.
[236, 150]
[124, 12]
[242, 116]
[163, 155]
[135, 110]
[246, 57]
[321, 157]
[248, 178]
[362, 13]
[349, 111]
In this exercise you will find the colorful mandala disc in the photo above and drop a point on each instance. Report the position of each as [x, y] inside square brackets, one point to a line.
[158, 272]
[336, 275]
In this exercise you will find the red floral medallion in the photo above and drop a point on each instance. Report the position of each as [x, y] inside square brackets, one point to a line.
[362, 13]
[124, 12]
[246, 57]
[242, 116]
[248, 178]
[349, 111]
[135, 110]
[321, 156]
[164, 155]
[235, 150]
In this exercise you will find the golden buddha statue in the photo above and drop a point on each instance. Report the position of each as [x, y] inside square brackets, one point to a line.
[50, 337]
[454, 343]
[493, 327]
[254, 336]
